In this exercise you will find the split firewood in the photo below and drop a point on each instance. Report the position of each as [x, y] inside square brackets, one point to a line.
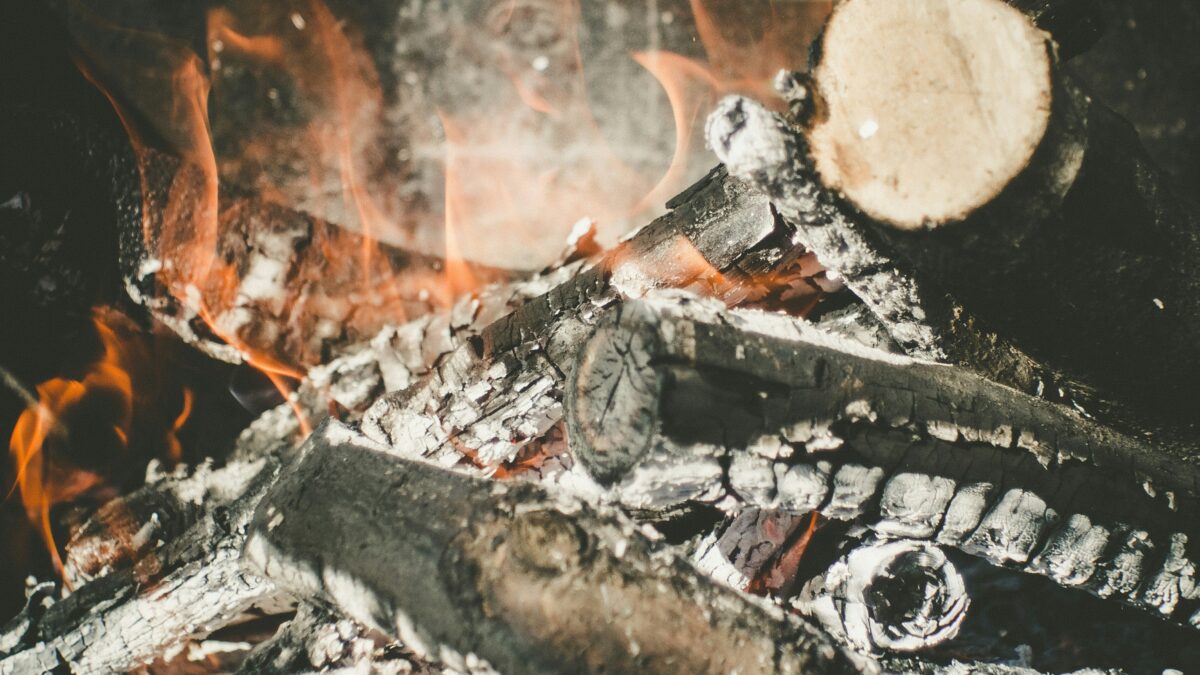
[492, 396]
[676, 402]
[925, 160]
[505, 575]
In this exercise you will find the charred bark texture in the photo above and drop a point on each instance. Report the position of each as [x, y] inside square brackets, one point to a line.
[490, 397]
[674, 403]
[126, 619]
[477, 572]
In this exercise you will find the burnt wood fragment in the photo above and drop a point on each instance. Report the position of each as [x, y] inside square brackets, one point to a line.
[898, 596]
[185, 589]
[680, 402]
[475, 572]
[491, 396]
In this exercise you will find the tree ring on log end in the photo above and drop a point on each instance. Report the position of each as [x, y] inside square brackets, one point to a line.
[927, 109]
[613, 375]
[900, 596]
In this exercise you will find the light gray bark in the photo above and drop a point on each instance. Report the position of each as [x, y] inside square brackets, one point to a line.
[472, 571]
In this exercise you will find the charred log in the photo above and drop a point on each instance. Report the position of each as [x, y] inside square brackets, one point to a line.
[127, 618]
[674, 403]
[492, 396]
[479, 573]
[899, 596]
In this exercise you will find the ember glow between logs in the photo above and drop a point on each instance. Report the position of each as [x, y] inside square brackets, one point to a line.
[519, 169]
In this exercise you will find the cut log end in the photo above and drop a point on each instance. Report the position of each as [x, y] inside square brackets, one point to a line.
[927, 108]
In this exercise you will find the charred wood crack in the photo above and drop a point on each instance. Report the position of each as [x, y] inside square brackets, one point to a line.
[736, 408]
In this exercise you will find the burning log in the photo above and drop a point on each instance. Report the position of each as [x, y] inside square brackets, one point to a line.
[127, 618]
[287, 287]
[1058, 225]
[397, 358]
[676, 402]
[506, 575]
[492, 396]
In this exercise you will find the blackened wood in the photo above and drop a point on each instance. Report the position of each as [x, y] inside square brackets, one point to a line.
[473, 571]
[187, 588]
[492, 396]
[665, 372]
[675, 402]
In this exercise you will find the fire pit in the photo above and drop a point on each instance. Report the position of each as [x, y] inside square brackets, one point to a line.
[356, 336]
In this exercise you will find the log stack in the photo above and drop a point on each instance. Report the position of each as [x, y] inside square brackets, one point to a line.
[634, 461]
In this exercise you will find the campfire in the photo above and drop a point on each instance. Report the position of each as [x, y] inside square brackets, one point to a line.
[531, 336]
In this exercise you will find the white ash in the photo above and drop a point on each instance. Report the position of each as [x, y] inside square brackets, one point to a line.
[1011, 530]
[964, 512]
[1072, 553]
[854, 486]
[912, 505]
[927, 597]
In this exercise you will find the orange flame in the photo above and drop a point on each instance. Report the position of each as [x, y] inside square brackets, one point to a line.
[520, 165]
[45, 473]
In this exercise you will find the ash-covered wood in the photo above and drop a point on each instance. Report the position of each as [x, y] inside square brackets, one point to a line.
[921, 317]
[128, 618]
[127, 528]
[677, 402]
[899, 596]
[316, 639]
[281, 284]
[475, 573]
[492, 396]
[1083, 263]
